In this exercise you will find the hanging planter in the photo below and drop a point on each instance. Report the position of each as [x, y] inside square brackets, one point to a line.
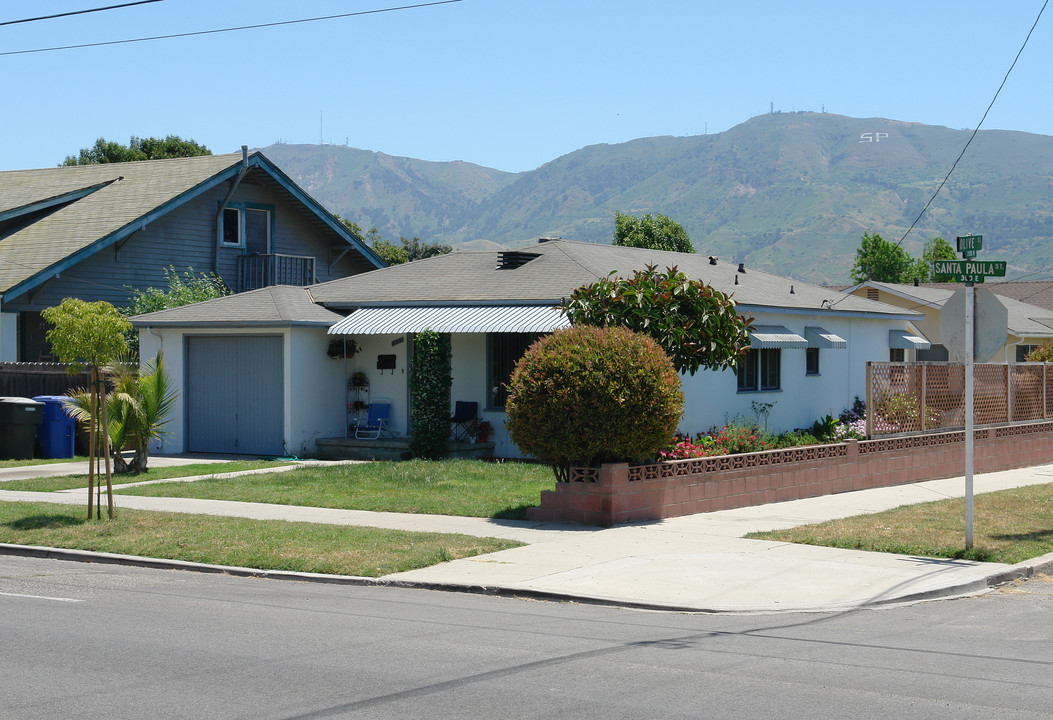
[342, 348]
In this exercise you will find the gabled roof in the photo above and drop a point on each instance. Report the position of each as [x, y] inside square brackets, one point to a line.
[1025, 320]
[278, 304]
[53, 218]
[544, 273]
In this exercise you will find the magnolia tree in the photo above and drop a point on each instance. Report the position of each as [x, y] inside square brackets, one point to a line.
[695, 324]
[92, 334]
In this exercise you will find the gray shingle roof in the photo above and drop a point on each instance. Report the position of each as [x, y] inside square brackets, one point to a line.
[1025, 320]
[126, 192]
[559, 268]
[279, 304]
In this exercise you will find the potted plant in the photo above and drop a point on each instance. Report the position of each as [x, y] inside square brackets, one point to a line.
[342, 348]
[358, 379]
[483, 430]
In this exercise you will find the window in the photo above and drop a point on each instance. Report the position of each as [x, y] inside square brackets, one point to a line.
[1022, 351]
[247, 227]
[896, 355]
[936, 353]
[811, 361]
[503, 351]
[760, 370]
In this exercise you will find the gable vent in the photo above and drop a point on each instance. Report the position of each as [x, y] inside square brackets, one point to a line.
[873, 294]
[512, 259]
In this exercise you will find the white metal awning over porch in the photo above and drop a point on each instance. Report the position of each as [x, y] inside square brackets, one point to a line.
[763, 337]
[817, 337]
[904, 340]
[475, 319]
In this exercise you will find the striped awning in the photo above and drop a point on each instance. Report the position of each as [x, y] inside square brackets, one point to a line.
[905, 340]
[775, 336]
[817, 337]
[474, 319]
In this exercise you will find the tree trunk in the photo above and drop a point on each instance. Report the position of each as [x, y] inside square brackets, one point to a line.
[91, 443]
[106, 449]
[142, 452]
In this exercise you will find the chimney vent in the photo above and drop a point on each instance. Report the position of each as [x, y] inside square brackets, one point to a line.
[712, 260]
[742, 268]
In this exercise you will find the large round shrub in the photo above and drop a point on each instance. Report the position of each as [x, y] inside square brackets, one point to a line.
[589, 395]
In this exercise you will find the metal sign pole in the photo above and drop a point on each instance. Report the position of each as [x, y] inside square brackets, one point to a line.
[970, 297]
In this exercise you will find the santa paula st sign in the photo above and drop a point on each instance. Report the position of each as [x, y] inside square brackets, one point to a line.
[969, 270]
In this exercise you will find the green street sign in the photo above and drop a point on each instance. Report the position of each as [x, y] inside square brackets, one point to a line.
[970, 244]
[969, 270]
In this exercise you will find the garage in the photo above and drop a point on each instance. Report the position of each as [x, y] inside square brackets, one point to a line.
[234, 394]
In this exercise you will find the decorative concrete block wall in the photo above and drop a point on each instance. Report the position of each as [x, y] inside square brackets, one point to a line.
[618, 493]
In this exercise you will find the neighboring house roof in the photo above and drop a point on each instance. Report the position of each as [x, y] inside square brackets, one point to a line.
[544, 273]
[1032, 292]
[1025, 320]
[53, 218]
[278, 304]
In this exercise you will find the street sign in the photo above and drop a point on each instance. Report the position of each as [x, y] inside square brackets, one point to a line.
[968, 245]
[969, 270]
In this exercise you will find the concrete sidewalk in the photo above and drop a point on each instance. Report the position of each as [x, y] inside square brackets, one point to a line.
[699, 563]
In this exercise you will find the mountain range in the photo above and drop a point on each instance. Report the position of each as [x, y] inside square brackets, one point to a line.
[790, 193]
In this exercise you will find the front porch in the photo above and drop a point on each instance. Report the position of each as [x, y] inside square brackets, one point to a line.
[392, 449]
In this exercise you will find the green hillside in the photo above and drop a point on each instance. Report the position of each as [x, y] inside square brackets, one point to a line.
[788, 192]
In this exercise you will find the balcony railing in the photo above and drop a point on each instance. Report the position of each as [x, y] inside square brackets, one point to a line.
[260, 271]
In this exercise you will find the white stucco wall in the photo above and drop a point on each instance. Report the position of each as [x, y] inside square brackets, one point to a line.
[313, 399]
[385, 386]
[712, 398]
[8, 337]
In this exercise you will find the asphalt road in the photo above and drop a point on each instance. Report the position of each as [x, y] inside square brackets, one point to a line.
[91, 641]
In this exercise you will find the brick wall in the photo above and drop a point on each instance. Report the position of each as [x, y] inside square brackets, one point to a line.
[618, 493]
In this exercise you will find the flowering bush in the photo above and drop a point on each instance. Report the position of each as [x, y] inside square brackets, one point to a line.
[685, 448]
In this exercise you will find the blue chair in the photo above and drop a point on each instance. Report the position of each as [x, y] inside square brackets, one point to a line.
[376, 421]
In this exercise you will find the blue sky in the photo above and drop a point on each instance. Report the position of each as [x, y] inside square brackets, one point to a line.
[509, 84]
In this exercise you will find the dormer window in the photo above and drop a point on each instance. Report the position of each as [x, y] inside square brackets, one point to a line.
[247, 227]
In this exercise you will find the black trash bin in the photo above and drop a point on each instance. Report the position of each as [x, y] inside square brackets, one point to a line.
[19, 418]
[57, 428]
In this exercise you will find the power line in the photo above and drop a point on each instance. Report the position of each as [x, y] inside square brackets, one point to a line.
[78, 12]
[969, 142]
[230, 29]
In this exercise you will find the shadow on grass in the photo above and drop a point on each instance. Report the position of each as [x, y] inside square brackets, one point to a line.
[44, 522]
[1036, 536]
[519, 512]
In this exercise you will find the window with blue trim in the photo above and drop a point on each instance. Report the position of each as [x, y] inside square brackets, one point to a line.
[247, 227]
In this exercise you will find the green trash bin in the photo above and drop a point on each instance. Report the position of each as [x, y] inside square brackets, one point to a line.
[19, 419]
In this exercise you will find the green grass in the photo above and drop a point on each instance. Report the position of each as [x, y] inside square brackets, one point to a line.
[470, 488]
[268, 545]
[41, 461]
[69, 482]
[1009, 526]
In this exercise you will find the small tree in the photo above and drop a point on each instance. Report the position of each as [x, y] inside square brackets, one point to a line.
[590, 395]
[882, 261]
[430, 381]
[695, 324]
[106, 151]
[655, 233]
[91, 333]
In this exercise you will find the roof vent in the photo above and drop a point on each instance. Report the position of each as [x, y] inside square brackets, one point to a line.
[712, 260]
[512, 259]
[791, 290]
[548, 239]
[873, 294]
[742, 268]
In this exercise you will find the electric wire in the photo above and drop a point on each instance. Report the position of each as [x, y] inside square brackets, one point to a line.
[230, 29]
[78, 12]
[977, 129]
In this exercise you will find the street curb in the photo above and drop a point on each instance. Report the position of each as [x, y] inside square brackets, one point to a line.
[1021, 571]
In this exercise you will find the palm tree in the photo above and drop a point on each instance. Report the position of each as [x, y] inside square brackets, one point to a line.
[138, 408]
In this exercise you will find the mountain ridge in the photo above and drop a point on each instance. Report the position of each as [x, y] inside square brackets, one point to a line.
[786, 192]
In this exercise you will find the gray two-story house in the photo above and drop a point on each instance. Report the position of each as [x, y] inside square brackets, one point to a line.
[99, 232]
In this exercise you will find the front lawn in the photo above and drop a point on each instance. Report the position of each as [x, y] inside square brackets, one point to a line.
[69, 482]
[267, 545]
[1009, 526]
[470, 488]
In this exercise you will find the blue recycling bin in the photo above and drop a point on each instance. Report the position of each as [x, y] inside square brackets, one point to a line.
[57, 428]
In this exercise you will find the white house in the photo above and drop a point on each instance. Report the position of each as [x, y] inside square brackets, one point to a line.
[809, 350]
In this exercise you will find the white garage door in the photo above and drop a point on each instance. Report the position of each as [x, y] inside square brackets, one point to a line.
[234, 394]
